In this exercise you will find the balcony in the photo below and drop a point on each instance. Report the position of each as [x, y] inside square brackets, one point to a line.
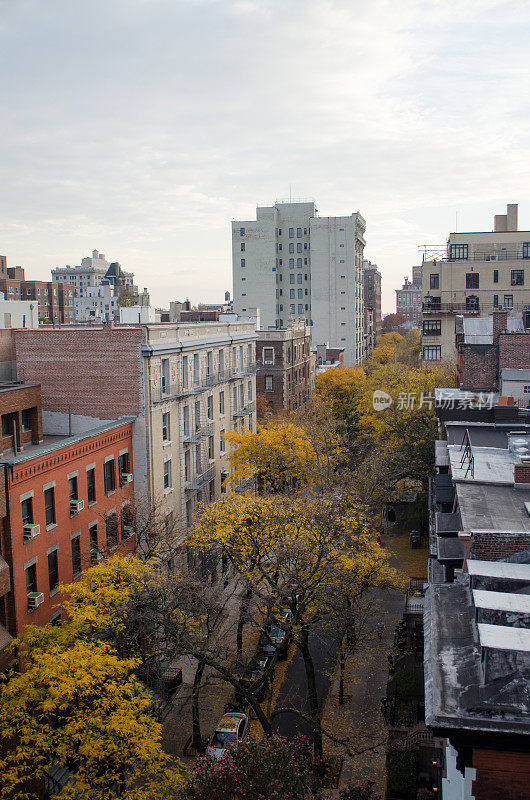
[498, 255]
[198, 432]
[245, 411]
[415, 597]
[200, 479]
[451, 308]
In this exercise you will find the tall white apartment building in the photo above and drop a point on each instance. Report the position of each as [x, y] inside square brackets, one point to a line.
[97, 304]
[291, 264]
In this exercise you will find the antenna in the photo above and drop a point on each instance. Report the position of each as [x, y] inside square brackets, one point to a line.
[456, 221]
[290, 196]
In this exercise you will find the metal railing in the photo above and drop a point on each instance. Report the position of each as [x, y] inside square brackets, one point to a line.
[198, 432]
[245, 411]
[500, 255]
[431, 307]
[175, 389]
[200, 479]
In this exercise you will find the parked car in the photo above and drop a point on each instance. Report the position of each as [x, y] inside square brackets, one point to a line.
[230, 731]
[252, 675]
[273, 638]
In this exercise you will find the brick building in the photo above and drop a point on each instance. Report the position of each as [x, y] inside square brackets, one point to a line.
[372, 302]
[186, 385]
[55, 300]
[408, 298]
[488, 345]
[64, 501]
[284, 375]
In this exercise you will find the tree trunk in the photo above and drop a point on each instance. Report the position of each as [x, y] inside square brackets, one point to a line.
[312, 693]
[196, 738]
[342, 664]
[243, 613]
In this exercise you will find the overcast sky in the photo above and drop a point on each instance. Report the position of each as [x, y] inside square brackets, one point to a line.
[142, 127]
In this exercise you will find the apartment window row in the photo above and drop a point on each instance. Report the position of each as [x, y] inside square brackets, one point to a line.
[207, 364]
[76, 504]
[432, 327]
[113, 524]
[432, 352]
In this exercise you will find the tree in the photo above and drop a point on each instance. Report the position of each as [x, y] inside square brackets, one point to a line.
[126, 299]
[271, 768]
[279, 456]
[324, 433]
[76, 705]
[297, 555]
[392, 321]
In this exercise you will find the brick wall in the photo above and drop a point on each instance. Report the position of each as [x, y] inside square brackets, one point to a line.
[521, 473]
[492, 547]
[514, 350]
[478, 364]
[94, 371]
[499, 775]
[13, 401]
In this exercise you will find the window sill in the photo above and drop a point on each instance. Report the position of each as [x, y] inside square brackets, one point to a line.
[92, 503]
[109, 494]
[168, 490]
[53, 592]
[51, 526]
[166, 442]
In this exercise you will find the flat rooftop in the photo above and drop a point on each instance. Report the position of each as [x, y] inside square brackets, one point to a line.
[489, 509]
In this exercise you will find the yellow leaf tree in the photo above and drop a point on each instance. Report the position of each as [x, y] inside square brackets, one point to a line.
[280, 457]
[74, 704]
[297, 555]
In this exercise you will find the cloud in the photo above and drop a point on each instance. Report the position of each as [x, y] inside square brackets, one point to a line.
[142, 128]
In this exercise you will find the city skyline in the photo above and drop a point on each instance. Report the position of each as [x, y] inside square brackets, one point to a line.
[142, 129]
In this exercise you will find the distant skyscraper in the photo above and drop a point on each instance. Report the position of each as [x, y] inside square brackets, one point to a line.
[292, 264]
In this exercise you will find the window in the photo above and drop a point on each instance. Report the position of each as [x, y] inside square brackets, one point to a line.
[196, 369]
[124, 467]
[299, 247]
[495, 301]
[299, 233]
[458, 251]
[31, 578]
[299, 278]
[224, 476]
[109, 476]
[167, 474]
[241, 231]
[298, 262]
[472, 280]
[126, 522]
[111, 530]
[432, 352]
[93, 541]
[291, 294]
[300, 308]
[53, 571]
[268, 383]
[184, 372]
[165, 375]
[291, 233]
[6, 424]
[211, 450]
[242, 247]
[526, 389]
[76, 555]
[209, 363]
[243, 262]
[434, 282]
[249, 391]
[517, 277]
[508, 301]
[432, 327]
[26, 422]
[291, 263]
[292, 308]
[198, 468]
[165, 426]
[291, 247]
[222, 441]
[72, 488]
[221, 363]
[221, 402]
[495, 276]
[526, 249]
[91, 484]
[209, 407]
[187, 468]
[49, 506]
[268, 352]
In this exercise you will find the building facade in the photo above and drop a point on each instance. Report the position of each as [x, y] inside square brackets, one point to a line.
[408, 298]
[97, 304]
[372, 303]
[93, 271]
[292, 264]
[283, 359]
[477, 273]
[186, 385]
[65, 501]
[54, 301]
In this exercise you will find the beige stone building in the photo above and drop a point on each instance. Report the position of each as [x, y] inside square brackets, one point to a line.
[476, 273]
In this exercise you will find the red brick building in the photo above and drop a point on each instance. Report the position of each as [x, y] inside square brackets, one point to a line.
[372, 301]
[284, 377]
[64, 503]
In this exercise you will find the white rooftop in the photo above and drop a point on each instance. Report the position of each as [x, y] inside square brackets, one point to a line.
[503, 637]
[502, 601]
[499, 569]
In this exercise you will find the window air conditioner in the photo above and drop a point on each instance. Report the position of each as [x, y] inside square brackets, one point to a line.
[76, 506]
[30, 530]
[35, 599]
[126, 477]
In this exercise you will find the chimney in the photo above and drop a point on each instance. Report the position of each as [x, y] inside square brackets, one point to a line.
[500, 323]
[499, 223]
[511, 217]
[521, 473]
